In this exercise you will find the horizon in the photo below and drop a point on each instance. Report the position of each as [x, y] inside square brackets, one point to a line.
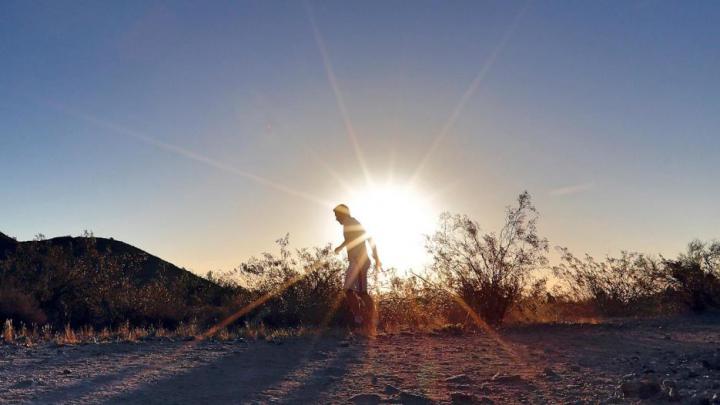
[203, 134]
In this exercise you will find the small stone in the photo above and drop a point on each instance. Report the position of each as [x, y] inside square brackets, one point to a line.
[550, 373]
[408, 398]
[508, 379]
[639, 389]
[366, 399]
[462, 398]
[390, 390]
[712, 363]
[23, 384]
[66, 371]
[699, 400]
[673, 395]
[459, 379]
[668, 384]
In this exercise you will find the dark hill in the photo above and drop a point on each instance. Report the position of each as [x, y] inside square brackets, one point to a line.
[6, 243]
[139, 265]
[101, 282]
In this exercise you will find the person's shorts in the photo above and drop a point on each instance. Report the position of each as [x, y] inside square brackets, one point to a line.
[356, 277]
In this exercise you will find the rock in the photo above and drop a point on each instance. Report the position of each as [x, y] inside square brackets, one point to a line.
[673, 395]
[366, 399]
[458, 398]
[508, 379]
[23, 341]
[550, 373]
[459, 379]
[409, 398]
[585, 363]
[66, 371]
[667, 384]
[333, 371]
[699, 399]
[712, 363]
[390, 390]
[639, 389]
[23, 384]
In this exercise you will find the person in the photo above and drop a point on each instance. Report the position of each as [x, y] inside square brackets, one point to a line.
[355, 284]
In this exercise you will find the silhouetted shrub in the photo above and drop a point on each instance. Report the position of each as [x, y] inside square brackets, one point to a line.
[627, 285]
[20, 306]
[488, 271]
[296, 288]
[412, 303]
[694, 277]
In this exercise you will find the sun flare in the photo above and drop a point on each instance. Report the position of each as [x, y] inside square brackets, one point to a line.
[397, 217]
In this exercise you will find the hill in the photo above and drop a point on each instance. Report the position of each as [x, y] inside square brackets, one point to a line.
[100, 282]
[6, 243]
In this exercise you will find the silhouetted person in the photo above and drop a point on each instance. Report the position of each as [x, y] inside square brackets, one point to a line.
[355, 284]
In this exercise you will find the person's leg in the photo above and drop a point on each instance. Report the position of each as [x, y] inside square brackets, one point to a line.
[353, 286]
[370, 313]
[353, 305]
[368, 306]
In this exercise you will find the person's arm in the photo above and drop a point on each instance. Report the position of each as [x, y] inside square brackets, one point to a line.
[341, 247]
[373, 246]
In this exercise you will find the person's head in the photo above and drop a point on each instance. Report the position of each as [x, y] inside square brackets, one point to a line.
[342, 213]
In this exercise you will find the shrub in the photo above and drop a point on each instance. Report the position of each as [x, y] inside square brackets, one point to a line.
[488, 271]
[20, 306]
[411, 303]
[694, 276]
[296, 288]
[627, 285]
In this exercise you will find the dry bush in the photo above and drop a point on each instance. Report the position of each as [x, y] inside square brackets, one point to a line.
[8, 331]
[488, 271]
[412, 303]
[297, 288]
[20, 306]
[617, 286]
[694, 277]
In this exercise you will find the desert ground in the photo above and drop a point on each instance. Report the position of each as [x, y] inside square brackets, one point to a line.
[618, 361]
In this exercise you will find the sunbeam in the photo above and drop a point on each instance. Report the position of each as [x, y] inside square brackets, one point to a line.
[469, 92]
[494, 335]
[260, 301]
[330, 72]
[333, 173]
[192, 155]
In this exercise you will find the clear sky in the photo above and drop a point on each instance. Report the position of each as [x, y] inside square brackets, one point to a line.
[203, 131]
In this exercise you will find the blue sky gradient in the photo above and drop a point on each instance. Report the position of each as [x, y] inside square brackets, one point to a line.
[607, 112]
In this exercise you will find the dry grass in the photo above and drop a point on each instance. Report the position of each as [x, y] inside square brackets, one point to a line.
[8, 332]
[127, 333]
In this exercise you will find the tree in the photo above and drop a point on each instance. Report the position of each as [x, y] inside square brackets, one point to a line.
[488, 271]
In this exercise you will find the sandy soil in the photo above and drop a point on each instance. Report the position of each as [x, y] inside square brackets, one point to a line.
[616, 362]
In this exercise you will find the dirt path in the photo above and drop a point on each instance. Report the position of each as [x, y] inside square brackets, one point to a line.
[541, 364]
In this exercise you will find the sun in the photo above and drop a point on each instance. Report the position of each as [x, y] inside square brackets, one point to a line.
[397, 217]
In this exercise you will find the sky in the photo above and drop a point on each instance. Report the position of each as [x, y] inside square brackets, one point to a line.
[204, 131]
